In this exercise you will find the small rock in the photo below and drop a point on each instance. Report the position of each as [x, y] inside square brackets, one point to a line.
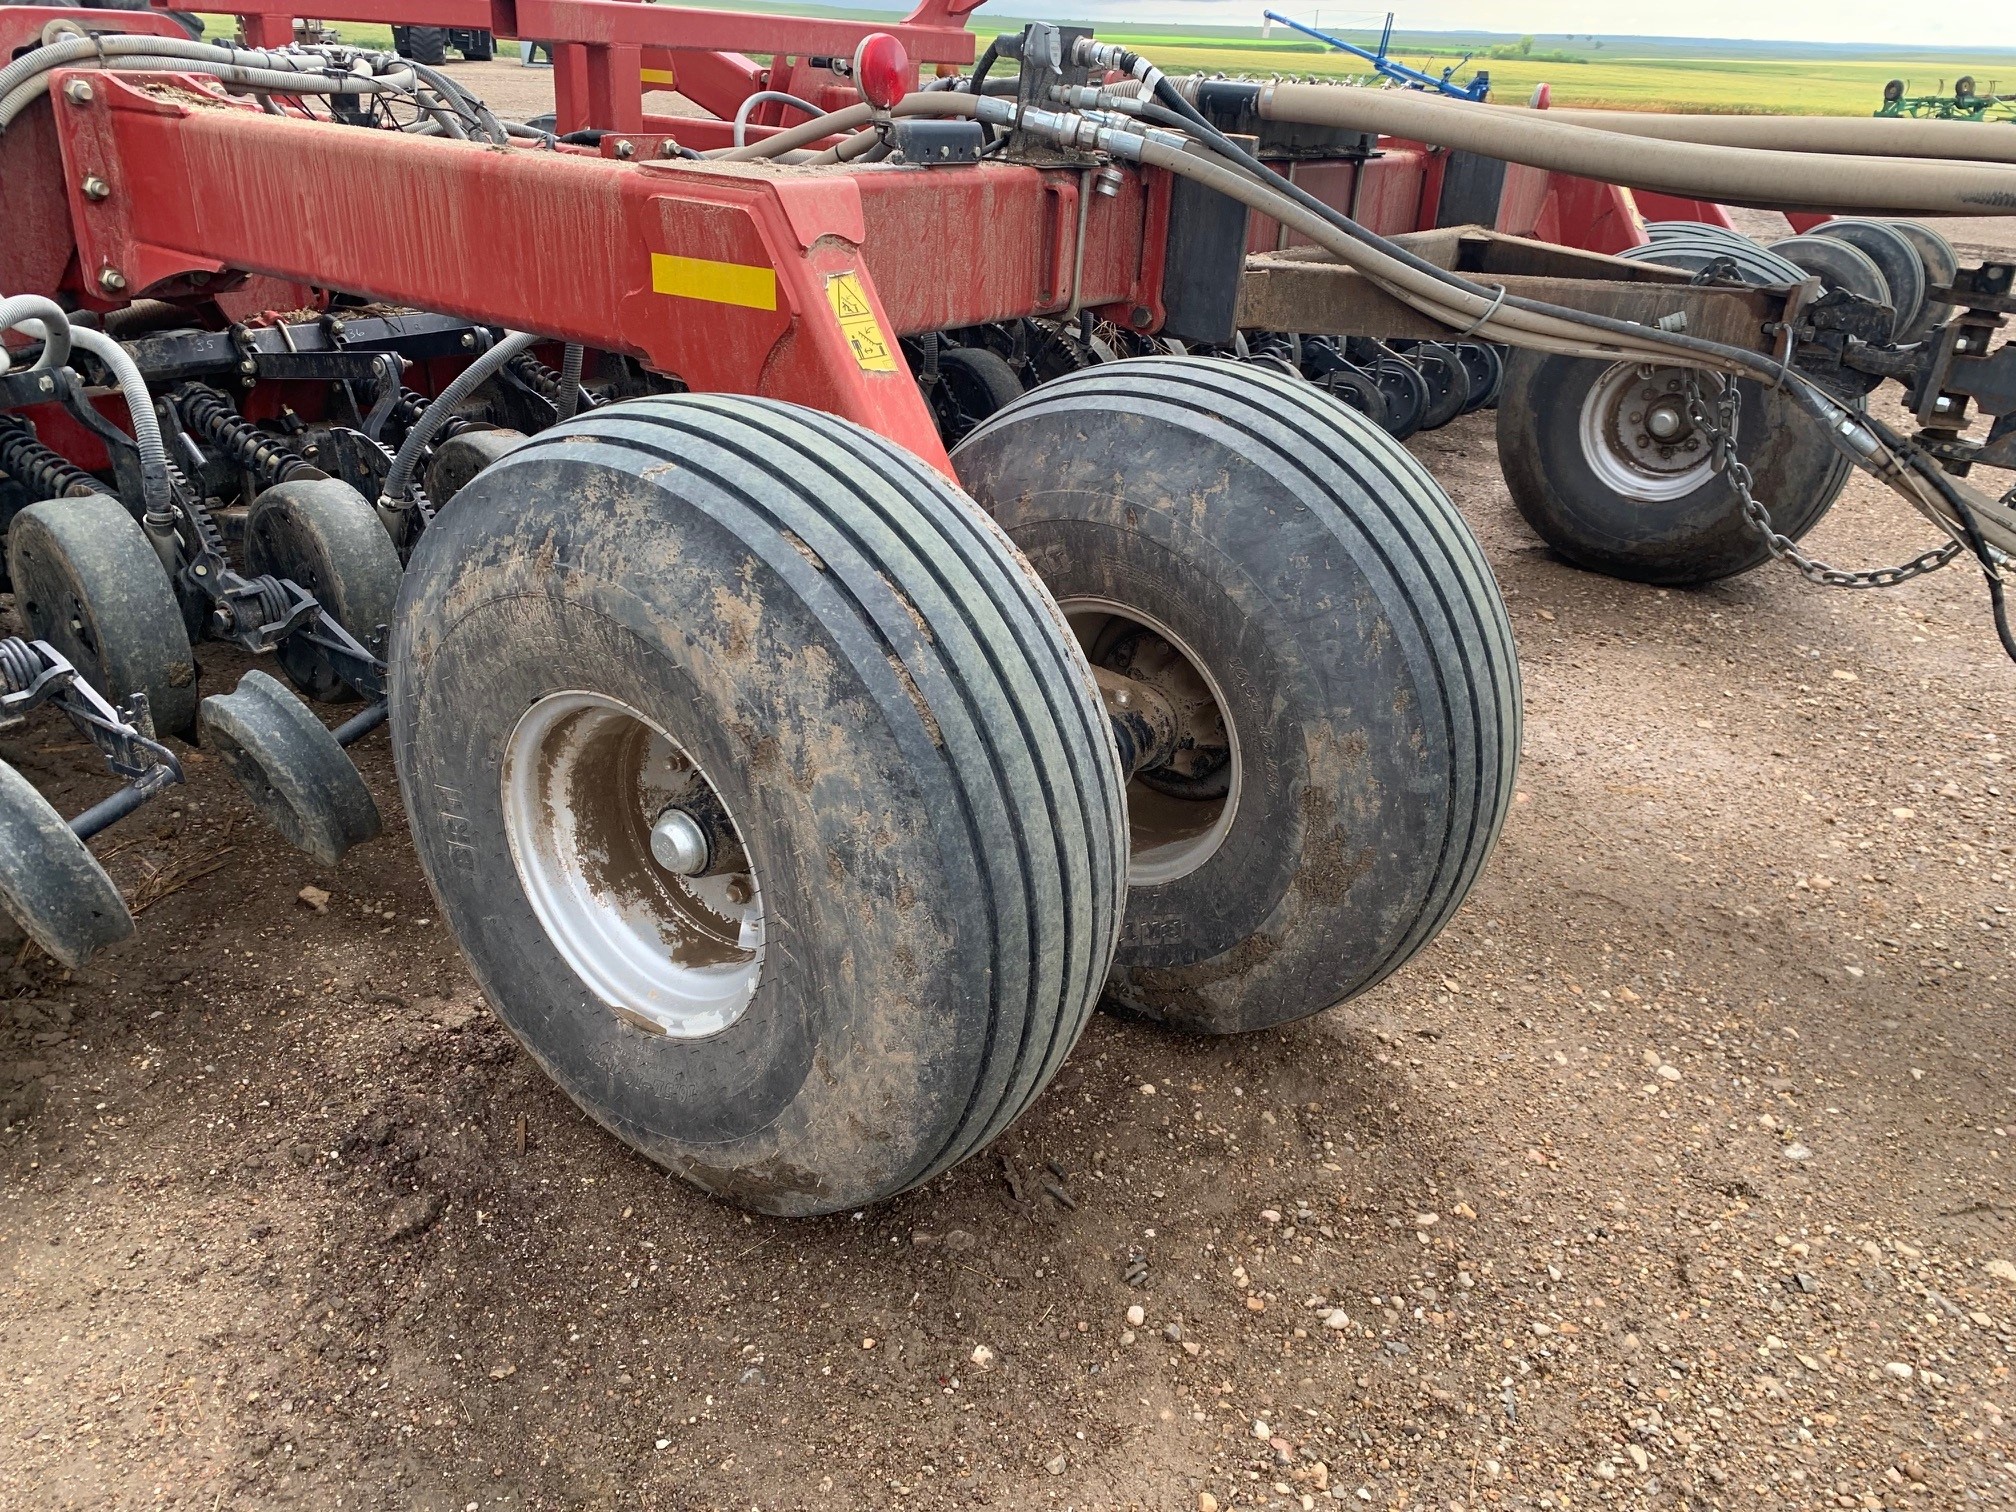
[2001, 1270]
[1126, 1336]
[1464, 1210]
[1136, 1316]
[1336, 1318]
[1055, 1466]
[1206, 1502]
[1256, 1304]
[959, 1241]
[314, 898]
[982, 1356]
[1638, 1457]
[1173, 1332]
[1147, 1089]
[1426, 1220]
[502, 1372]
[1668, 1073]
[1796, 1152]
[1898, 1370]
[1191, 1349]
[1269, 1215]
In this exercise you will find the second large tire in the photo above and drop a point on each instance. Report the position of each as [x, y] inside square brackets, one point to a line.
[1593, 484]
[1291, 561]
[913, 763]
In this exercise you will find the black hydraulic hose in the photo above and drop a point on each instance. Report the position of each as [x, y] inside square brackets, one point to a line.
[569, 397]
[437, 414]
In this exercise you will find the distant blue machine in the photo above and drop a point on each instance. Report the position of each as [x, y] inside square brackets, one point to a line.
[1478, 87]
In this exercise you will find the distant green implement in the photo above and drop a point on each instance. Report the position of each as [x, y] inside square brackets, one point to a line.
[1961, 105]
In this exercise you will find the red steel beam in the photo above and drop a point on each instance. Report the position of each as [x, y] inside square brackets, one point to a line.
[625, 23]
[736, 278]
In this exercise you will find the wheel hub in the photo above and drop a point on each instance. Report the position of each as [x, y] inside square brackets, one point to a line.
[592, 795]
[1638, 436]
[1178, 813]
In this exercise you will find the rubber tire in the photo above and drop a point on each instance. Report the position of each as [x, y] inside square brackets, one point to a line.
[327, 537]
[979, 381]
[891, 708]
[292, 770]
[481, 49]
[1343, 605]
[1486, 368]
[1406, 394]
[427, 45]
[1896, 257]
[1697, 538]
[1448, 382]
[87, 580]
[50, 883]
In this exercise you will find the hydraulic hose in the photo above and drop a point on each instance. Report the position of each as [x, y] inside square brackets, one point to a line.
[569, 398]
[442, 410]
[1766, 179]
[18, 308]
[140, 410]
[923, 102]
[1871, 136]
[768, 97]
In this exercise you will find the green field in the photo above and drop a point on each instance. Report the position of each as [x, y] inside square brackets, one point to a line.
[1626, 73]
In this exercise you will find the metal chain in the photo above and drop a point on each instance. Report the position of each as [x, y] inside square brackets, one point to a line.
[1721, 430]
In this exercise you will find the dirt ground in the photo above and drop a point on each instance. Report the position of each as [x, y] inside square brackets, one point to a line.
[1676, 1173]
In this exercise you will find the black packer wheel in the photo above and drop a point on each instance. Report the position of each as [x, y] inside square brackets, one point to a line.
[288, 762]
[50, 883]
[87, 580]
[1314, 608]
[1486, 368]
[785, 826]
[327, 537]
[973, 383]
[1406, 393]
[1448, 382]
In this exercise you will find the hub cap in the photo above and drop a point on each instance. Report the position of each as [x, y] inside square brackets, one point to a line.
[1638, 438]
[588, 784]
[1177, 815]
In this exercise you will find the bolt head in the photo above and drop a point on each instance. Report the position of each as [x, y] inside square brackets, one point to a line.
[95, 188]
[78, 92]
[468, 338]
[678, 843]
[111, 280]
[626, 149]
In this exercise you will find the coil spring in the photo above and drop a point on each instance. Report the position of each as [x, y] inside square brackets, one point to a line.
[19, 665]
[536, 376]
[41, 473]
[409, 407]
[211, 415]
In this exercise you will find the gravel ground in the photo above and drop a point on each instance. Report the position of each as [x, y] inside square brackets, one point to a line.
[1674, 1174]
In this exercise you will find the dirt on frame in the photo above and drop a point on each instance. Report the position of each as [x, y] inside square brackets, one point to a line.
[1675, 1173]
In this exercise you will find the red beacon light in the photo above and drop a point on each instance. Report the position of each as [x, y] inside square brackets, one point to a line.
[882, 70]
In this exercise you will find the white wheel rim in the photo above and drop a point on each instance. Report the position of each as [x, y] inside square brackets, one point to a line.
[1168, 837]
[585, 777]
[1623, 419]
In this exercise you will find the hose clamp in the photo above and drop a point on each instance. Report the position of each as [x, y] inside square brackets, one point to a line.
[1485, 319]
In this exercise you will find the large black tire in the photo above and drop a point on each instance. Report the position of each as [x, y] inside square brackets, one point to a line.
[1307, 566]
[87, 581]
[50, 884]
[325, 536]
[478, 46]
[1582, 499]
[890, 713]
[425, 44]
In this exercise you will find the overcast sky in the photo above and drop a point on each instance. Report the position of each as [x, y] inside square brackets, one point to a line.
[1975, 23]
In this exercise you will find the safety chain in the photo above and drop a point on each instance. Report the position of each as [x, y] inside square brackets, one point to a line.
[1721, 430]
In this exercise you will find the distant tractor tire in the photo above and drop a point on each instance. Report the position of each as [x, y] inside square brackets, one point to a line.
[1320, 617]
[423, 44]
[476, 46]
[764, 790]
[1605, 464]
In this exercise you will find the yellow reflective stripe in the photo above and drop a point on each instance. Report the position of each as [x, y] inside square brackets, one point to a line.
[728, 283]
[663, 76]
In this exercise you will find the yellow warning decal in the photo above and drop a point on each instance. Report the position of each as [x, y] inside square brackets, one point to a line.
[858, 323]
[727, 283]
[664, 78]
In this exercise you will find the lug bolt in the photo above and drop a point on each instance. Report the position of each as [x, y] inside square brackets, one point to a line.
[111, 280]
[739, 890]
[468, 338]
[78, 92]
[95, 188]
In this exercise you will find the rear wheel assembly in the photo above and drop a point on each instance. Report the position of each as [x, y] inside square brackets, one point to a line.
[290, 765]
[784, 825]
[50, 884]
[1308, 602]
[1609, 469]
[87, 580]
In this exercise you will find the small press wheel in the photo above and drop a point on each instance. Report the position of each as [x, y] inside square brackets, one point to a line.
[1487, 373]
[973, 383]
[299, 779]
[1406, 394]
[325, 536]
[1448, 382]
[87, 580]
[50, 884]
